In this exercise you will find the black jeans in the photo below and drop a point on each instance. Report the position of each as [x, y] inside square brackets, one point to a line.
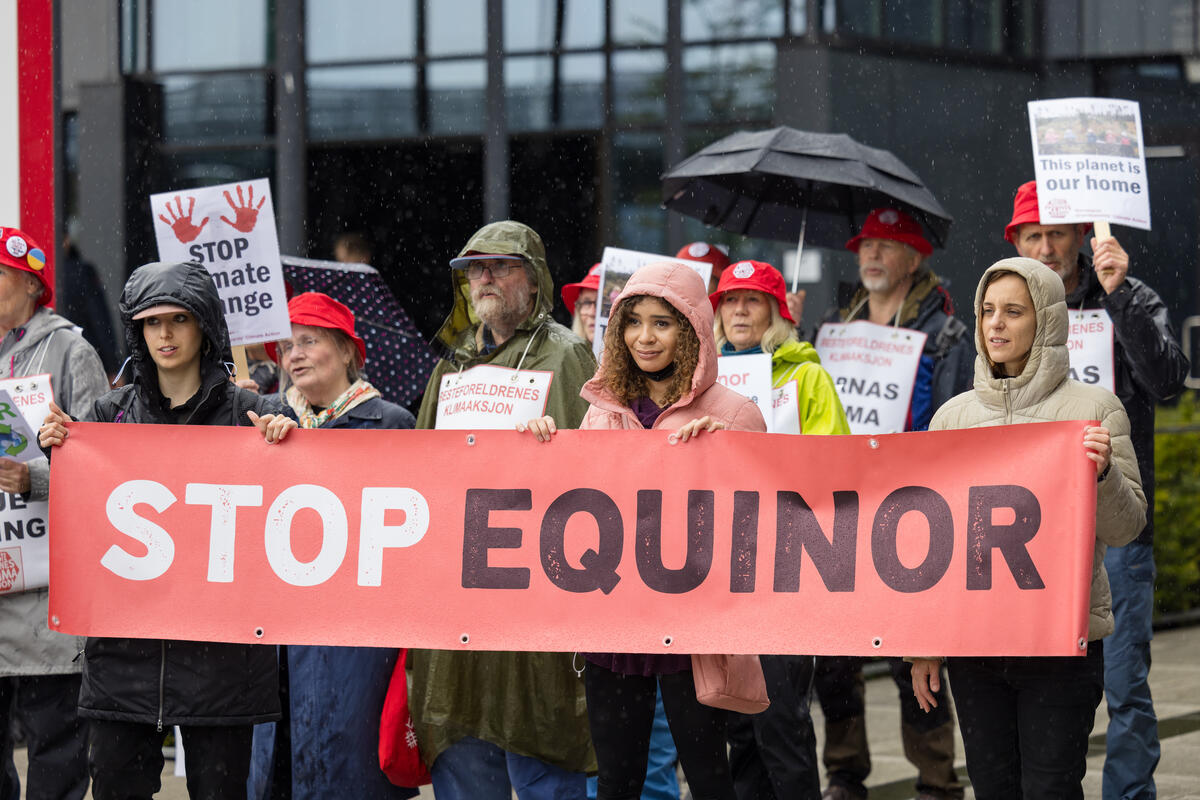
[621, 714]
[126, 760]
[55, 737]
[1025, 722]
[773, 755]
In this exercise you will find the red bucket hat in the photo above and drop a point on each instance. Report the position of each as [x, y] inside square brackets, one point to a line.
[757, 275]
[1025, 209]
[894, 224]
[703, 251]
[321, 311]
[19, 251]
[570, 291]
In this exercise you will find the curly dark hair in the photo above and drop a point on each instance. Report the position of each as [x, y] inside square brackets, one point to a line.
[621, 375]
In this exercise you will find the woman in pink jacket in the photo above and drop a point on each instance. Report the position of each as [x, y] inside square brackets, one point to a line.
[658, 372]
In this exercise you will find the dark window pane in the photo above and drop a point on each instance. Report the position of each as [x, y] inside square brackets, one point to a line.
[527, 87]
[731, 19]
[209, 35]
[858, 17]
[457, 96]
[199, 109]
[361, 102]
[583, 91]
[724, 82]
[639, 21]
[639, 86]
[637, 163]
[917, 21]
[531, 24]
[455, 27]
[360, 30]
[187, 170]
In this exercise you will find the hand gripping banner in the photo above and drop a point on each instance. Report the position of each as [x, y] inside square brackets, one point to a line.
[973, 542]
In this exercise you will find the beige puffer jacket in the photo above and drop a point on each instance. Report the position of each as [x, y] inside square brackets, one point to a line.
[1043, 392]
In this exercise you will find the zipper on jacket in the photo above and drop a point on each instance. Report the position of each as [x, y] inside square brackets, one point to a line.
[162, 676]
[1007, 403]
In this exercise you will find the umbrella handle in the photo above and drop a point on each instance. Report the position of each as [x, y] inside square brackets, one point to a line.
[799, 249]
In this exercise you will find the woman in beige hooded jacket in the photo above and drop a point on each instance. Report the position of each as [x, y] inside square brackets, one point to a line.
[1025, 720]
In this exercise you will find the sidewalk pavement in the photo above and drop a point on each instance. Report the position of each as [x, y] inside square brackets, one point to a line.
[1174, 681]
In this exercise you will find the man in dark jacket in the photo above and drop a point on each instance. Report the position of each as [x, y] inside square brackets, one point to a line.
[896, 288]
[1148, 366]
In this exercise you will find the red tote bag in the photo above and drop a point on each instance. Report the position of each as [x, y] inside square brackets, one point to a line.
[399, 756]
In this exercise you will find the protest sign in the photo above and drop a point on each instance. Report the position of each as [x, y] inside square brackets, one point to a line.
[734, 542]
[875, 369]
[491, 398]
[616, 265]
[785, 409]
[1090, 347]
[1089, 161]
[749, 376]
[24, 550]
[230, 229]
[27, 128]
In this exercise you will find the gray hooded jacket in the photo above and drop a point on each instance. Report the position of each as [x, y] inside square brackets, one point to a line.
[49, 344]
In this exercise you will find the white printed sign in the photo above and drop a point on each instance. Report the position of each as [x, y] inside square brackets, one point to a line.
[1089, 161]
[18, 441]
[875, 369]
[1090, 347]
[749, 376]
[24, 548]
[491, 398]
[616, 265]
[230, 229]
[785, 408]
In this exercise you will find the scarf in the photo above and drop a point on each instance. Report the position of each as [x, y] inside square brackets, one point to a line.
[358, 393]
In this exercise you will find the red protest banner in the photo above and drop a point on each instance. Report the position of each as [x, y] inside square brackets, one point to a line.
[954, 543]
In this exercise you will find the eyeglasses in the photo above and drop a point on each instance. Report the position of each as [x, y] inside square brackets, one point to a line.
[498, 269]
[582, 304]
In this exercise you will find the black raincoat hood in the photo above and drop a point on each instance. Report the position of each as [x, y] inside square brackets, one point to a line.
[186, 284]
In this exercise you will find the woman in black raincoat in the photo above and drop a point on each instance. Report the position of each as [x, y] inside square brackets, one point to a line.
[134, 690]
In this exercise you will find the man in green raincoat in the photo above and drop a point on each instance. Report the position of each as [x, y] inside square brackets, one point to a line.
[491, 722]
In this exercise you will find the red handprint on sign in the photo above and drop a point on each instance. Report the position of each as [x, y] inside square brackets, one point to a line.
[246, 214]
[185, 230]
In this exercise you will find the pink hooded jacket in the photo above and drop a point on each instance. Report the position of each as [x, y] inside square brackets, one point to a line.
[680, 286]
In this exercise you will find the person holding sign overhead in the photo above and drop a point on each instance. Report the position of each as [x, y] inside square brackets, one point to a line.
[898, 290]
[1025, 721]
[326, 745]
[134, 690]
[774, 754]
[489, 722]
[38, 667]
[658, 373]
[1137, 356]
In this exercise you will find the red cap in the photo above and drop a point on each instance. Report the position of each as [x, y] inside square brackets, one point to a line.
[757, 275]
[703, 251]
[570, 292]
[321, 311]
[894, 224]
[19, 251]
[1025, 209]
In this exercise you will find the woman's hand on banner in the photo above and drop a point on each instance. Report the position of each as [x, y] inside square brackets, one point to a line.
[54, 428]
[926, 682]
[693, 428]
[273, 427]
[542, 428]
[1099, 447]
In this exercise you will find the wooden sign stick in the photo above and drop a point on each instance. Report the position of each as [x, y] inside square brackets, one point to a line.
[240, 366]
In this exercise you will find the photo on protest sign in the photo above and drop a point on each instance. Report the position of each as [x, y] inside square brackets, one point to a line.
[230, 229]
[616, 266]
[1089, 161]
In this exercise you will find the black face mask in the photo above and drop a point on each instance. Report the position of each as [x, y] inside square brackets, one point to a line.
[660, 375]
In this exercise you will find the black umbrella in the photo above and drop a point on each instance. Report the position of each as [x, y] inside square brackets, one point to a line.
[399, 361]
[786, 184]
